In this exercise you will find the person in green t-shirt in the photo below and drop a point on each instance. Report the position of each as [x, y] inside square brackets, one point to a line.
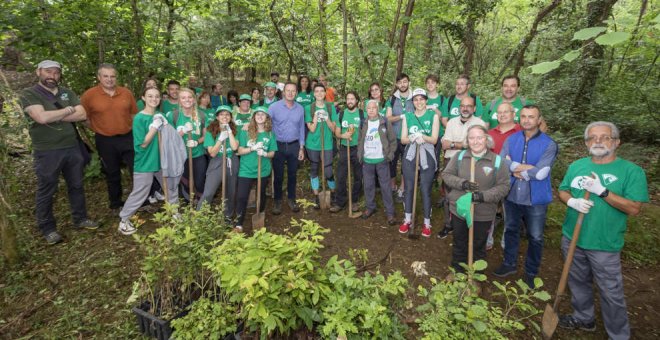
[305, 95]
[451, 106]
[256, 97]
[221, 135]
[419, 129]
[435, 102]
[317, 118]
[189, 123]
[243, 113]
[510, 89]
[347, 130]
[617, 188]
[270, 90]
[257, 142]
[171, 103]
[149, 83]
[204, 107]
[146, 125]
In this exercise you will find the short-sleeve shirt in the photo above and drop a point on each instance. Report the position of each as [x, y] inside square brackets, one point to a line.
[209, 114]
[210, 141]
[313, 140]
[349, 118]
[435, 103]
[500, 137]
[109, 115]
[517, 104]
[304, 98]
[198, 126]
[423, 124]
[55, 135]
[147, 159]
[603, 228]
[249, 162]
[166, 106]
[241, 119]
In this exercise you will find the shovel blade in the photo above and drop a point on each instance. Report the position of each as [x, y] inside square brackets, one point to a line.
[258, 220]
[324, 200]
[411, 233]
[550, 322]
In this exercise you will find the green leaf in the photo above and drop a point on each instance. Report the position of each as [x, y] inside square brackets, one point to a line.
[542, 295]
[588, 33]
[572, 55]
[612, 38]
[480, 265]
[545, 67]
[480, 326]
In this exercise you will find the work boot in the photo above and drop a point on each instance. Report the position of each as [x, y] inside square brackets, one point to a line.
[277, 207]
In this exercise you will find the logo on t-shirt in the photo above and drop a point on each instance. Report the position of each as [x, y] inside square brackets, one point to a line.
[487, 170]
[64, 96]
[455, 112]
[413, 129]
[609, 179]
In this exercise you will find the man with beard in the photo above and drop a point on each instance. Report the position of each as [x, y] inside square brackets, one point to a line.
[347, 130]
[451, 105]
[52, 110]
[618, 188]
[110, 111]
[510, 89]
[171, 103]
[529, 154]
[453, 142]
[400, 103]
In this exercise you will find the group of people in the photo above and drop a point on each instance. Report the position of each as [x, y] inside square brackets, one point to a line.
[497, 154]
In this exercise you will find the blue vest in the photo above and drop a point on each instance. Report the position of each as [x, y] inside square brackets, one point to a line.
[540, 191]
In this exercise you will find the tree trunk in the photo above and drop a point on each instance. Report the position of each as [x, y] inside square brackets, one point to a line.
[171, 21]
[358, 40]
[451, 48]
[429, 44]
[592, 58]
[7, 227]
[100, 43]
[281, 35]
[139, 39]
[633, 40]
[344, 46]
[403, 34]
[469, 41]
[390, 40]
[324, 40]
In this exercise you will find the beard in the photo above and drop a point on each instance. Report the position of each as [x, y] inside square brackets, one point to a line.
[49, 83]
[351, 106]
[600, 150]
[466, 115]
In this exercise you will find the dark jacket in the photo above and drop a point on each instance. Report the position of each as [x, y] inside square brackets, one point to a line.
[493, 182]
[387, 138]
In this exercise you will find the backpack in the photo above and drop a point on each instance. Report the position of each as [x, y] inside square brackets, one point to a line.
[523, 101]
[453, 96]
[360, 112]
[328, 108]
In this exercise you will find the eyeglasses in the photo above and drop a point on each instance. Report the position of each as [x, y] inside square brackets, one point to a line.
[476, 138]
[597, 139]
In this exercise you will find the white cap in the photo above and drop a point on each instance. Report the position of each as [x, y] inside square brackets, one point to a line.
[419, 92]
[49, 64]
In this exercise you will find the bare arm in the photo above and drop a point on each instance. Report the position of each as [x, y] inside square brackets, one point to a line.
[70, 113]
[149, 137]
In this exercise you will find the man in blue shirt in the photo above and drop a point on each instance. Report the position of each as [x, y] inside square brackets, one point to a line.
[289, 127]
[529, 154]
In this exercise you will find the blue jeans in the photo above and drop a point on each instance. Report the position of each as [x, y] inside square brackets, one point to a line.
[534, 216]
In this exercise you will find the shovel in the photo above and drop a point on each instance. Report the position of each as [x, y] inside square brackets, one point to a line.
[191, 181]
[351, 214]
[471, 228]
[411, 232]
[324, 196]
[224, 173]
[258, 217]
[550, 315]
[164, 179]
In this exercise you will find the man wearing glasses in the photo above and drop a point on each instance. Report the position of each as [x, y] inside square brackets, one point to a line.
[529, 154]
[618, 188]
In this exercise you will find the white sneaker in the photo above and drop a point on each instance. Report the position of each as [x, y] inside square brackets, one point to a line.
[152, 200]
[159, 196]
[126, 227]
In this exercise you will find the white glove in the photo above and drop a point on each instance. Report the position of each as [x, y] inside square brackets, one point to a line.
[580, 204]
[420, 139]
[161, 118]
[225, 127]
[412, 137]
[223, 136]
[156, 124]
[593, 185]
[257, 146]
[187, 127]
[321, 116]
[262, 152]
[191, 143]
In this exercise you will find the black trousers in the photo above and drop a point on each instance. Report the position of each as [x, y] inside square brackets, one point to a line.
[286, 154]
[461, 237]
[115, 150]
[243, 192]
[341, 192]
[398, 153]
[200, 164]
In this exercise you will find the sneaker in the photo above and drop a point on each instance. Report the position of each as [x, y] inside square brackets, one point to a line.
[504, 270]
[445, 232]
[152, 200]
[368, 213]
[426, 231]
[238, 229]
[399, 196]
[277, 207]
[317, 203]
[53, 238]
[404, 228]
[335, 208]
[87, 224]
[126, 227]
[569, 322]
[293, 205]
[159, 196]
[355, 208]
[391, 220]
[116, 205]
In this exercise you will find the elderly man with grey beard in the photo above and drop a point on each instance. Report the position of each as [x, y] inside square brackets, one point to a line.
[617, 189]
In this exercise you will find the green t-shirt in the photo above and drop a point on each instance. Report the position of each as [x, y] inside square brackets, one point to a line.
[196, 131]
[209, 141]
[604, 226]
[423, 124]
[55, 135]
[147, 159]
[209, 114]
[304, 99]
[382, 109]
[349, 118]
[166, 106]
[517, 104]
[249, 162]
[455, 110]
[435, 103]
[241, 119]
[140, 105]
[313, 140]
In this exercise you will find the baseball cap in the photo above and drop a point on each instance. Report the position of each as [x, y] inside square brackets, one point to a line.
[223, 108]
[49, 64]
[245, 96]
[270, 84]
[419, 92]
[261, 109]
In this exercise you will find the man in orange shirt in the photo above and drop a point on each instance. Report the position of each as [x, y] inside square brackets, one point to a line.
[110, 110]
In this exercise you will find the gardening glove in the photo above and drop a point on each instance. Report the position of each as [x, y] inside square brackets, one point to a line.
[156, 124]
[223, 136]
[478, 197]
[191, 143]
[593, 185]
[420, 139]
[187, 127]
[257, 146]
[580, 204]
[262, 152]
[470, 186]
[413, 137]
[161, 118]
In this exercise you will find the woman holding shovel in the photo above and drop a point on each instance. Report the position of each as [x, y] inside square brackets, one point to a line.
[484, 175]
[223, 167]
[256, 143]
[419, 132]
[318, 145]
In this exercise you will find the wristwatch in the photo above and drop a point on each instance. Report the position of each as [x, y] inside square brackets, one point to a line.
[604, 193]
[452, 145]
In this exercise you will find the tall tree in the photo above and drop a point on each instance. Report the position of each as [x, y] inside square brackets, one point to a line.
[403, 33]
[390, 40]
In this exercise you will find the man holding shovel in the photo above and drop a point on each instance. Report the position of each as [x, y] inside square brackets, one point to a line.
[618, 188]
